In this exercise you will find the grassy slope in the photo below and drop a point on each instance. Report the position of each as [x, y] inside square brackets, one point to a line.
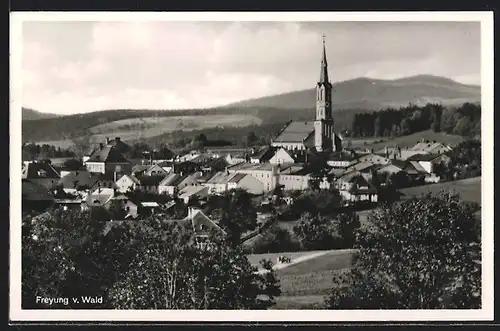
[469, 189]
[305, 284]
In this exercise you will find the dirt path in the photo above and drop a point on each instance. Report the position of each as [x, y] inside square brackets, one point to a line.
[303, 258]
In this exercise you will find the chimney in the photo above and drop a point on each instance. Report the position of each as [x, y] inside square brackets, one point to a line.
[101, 146]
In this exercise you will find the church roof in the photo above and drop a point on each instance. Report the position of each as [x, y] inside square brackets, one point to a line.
[296, 132]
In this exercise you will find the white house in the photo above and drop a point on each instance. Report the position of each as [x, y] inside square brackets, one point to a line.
[127, 183]
[281, 156]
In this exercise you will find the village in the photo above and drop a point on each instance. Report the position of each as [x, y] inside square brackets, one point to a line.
[304, 156]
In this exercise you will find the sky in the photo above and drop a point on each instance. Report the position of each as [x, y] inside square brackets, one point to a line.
[73, 67]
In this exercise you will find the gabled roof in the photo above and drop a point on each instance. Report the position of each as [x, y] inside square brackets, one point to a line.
[237, 178]
[33, 192]
[139, 168]
[132, 178]
[220, 177]
[78, 179]
[361, 186]
[100, 199]
[172, 179]
[264, 154]
[191, 190]
[150, 180]
[33, 170]
[108, 154]
[424, 157]
[418, 167]
[202, 224]
[295, 132]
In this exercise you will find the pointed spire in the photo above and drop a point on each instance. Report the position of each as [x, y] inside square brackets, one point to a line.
[323, 78]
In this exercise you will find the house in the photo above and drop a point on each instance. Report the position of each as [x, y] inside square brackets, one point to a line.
[235, 159]
[202, 226]
[127, 183]
[169, 185]
[266, 173]
[35, 196]
[41, 173]
[78, 182]
[359, 189]
[119, 146]
[98, 198]
[108, 159]
[373, 158]
[341, 159]
[168, 166]
[139, 169]
[431, 147]
[215, 165]
[149, 183]
[294, 177]
[263, 155]
[365, 168]
[187, 193]
[128, 206]
[282, 156]
[246, 182]
[149, 207]
[429, 161]
[224, 181]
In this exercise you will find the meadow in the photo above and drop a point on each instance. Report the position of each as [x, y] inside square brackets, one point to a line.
[304, 285]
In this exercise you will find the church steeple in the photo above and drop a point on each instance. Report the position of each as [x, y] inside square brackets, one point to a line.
[323, 77]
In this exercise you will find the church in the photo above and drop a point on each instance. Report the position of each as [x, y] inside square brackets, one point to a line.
[318, 135]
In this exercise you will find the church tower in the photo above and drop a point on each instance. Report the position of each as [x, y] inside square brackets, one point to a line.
[325, 139]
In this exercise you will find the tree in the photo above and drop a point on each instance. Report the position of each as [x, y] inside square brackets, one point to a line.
[423, 253]
[252, 138]
[405, 126]
[275, 240]
[236, 213]
[348, 225]
[192, 277]
[316, 232]
[377, 127]
[63, 256]
[463, 127]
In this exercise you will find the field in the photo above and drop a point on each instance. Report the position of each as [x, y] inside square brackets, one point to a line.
[406, 141]
[131, 129]
[468, 189]
[304, 285]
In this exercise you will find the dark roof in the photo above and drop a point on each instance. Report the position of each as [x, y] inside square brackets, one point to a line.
[295, 132]
[107, 154]
[172, 179]
[264, 154]
[361, 186]
[32, 170]
[150, 180]
[237, 178]
[423, 157]
[33, 192]
[341, 156]
[77, 179]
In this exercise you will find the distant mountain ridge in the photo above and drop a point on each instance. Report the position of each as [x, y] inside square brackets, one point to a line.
[375, 94]
[31, 114]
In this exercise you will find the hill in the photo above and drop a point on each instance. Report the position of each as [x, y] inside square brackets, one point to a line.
[31, 114]
[353, 96]
[468, 189]
[374, 94]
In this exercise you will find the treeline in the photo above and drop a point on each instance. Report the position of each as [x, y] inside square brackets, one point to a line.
[33, 151]
[463, 120]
